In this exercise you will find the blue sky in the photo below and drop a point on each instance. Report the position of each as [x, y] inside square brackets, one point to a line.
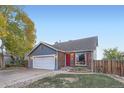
[54, 23]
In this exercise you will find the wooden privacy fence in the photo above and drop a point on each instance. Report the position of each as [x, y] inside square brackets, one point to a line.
[109, 67]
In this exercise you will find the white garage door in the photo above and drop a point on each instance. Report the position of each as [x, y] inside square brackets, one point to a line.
[44, 62]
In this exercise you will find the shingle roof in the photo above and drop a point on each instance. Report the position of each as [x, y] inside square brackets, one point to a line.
[87, 44]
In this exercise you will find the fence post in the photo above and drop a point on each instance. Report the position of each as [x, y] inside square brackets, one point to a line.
[111, 67]
[103, 66]
[123, 67]
[120, 68]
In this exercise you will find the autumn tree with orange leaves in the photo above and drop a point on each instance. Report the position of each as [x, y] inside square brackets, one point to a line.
[17, 32]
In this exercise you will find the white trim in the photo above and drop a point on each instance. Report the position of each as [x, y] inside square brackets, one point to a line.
[44, 55]
[51, 46]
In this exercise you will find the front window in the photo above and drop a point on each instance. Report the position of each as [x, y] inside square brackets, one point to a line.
[80, 58]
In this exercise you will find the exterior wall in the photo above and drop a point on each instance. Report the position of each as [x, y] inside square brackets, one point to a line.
[30, 62]
[61, 60]
[94, 55]
[43, 50]
[7, 59]
[88, 57]
[72, 59]
[40, 50]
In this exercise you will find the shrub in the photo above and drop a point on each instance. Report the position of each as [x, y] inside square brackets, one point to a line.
[7, 65]
[25, 63]
[17, 64]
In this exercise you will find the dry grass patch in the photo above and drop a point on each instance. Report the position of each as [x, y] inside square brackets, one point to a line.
[71, 80]
[77, 81]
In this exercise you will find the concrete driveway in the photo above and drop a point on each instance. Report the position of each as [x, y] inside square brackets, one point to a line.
[18, 75]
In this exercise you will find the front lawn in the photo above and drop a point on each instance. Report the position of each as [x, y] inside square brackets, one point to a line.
[76, 81]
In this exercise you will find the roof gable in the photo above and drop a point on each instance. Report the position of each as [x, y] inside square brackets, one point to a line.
[48, 45]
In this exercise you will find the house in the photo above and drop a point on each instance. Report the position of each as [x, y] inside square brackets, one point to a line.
[6, 58]
[122, 53]
[79, 52]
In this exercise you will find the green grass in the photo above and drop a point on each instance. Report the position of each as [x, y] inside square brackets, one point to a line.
[82, 81]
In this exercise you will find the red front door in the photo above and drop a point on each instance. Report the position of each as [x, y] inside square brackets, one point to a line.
[67, 59]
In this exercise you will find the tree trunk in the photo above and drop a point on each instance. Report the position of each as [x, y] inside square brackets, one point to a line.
[13, 59]
[2, 57]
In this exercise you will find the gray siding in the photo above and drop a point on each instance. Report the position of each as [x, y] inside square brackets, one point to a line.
[7, 59]
[30, 63]
[43, 50]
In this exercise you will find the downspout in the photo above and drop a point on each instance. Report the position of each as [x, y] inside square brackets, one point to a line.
[56, 61]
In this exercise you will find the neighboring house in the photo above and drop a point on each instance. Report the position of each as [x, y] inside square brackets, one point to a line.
[79, 52]
[122, 53]
[6, 58]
